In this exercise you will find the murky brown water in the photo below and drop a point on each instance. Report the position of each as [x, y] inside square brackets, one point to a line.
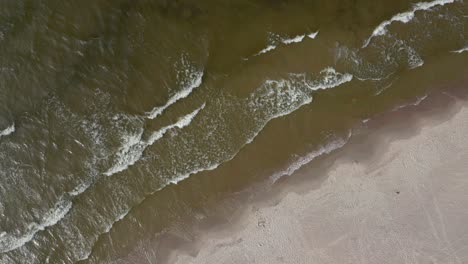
[119, 117]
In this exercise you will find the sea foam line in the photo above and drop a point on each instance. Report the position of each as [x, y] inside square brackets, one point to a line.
[7, 131]
[296, 165]
[405, 17]
[134, 146]
[194, 83]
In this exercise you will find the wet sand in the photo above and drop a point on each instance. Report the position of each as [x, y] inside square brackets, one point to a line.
[396, 193]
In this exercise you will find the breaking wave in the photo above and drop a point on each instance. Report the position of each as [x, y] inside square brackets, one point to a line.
[134, 146]
[194, 83]
[461, 50]
[404, 17]
[9, 241]
[7, 131]
[287, 41]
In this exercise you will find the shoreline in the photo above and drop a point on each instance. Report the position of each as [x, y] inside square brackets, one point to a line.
[367, 149]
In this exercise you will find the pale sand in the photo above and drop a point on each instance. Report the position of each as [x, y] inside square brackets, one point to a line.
[408, 203]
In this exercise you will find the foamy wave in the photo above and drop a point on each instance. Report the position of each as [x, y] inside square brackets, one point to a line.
[194, 83]
[313, 35]
[7, 131]
[285, 96]
[330, 79]
[80, 189]
[414, 60]
[181, 123]
[265, 50]
[134, 146]
[130, 152]
[296, 165]
[296, 39]
[405, 17]
[299, 38]
[461, 50]
[9, 241]
[287, 41]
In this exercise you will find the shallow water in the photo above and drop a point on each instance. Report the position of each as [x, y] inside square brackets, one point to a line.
[119, 117]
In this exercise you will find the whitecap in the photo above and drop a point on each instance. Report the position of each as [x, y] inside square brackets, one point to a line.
[330, 78]
[404, 17]
[129, 153]
[181, 123]
[7, 131]
[194, 83]
[133, 147]
[295, 39]
[461, 50]
[265, 50]
[9, 241]
[313, 35]
[80, 188]
[287, 41]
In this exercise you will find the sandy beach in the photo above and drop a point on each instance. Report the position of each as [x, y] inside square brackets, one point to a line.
[397, 193]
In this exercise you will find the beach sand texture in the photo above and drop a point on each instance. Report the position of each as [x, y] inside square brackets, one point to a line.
[407, 203]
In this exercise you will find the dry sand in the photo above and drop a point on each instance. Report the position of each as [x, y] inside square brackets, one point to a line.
[405, 201]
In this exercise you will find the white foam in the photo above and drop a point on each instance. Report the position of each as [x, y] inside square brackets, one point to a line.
[296, 165]
[80, 189]
[265, 50]
[7, 131]
[313, 35]
[287, 41]
[191, 85]
[130, 152]
[9, 242]
[461, 50]
[404, 17]
[181, 123]
[296, 39]
[414, 60]
[134, 146]
[330, 79]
